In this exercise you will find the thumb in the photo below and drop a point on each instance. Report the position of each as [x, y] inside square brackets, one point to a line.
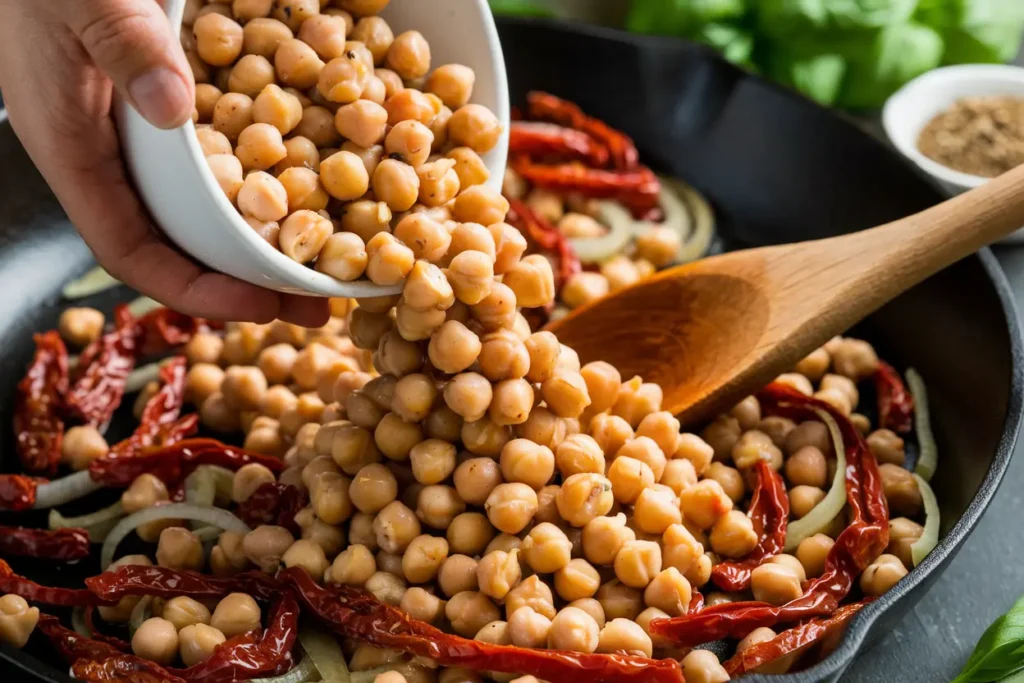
[132, 42]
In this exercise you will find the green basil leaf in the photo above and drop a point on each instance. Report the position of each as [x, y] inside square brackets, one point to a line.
[521, 8]
[1000, 650]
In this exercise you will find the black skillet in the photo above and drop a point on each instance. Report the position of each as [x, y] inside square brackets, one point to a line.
[778, 169]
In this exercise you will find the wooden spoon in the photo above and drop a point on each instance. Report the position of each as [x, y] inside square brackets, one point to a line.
[717, 330]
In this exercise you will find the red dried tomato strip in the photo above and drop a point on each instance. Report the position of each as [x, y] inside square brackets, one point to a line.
[159, 414]
[769, 512]
[39, 402]
[793, 640]
[895, 402]
[161, 582]
[92, 660]
[550, 140]
[65, 545]
[547, 238]
[638, 189]
[33, 592]
[171, 464]
[18, 492]
[358, 615]
[856, 547]
[546, 107]
[105, 366]
[273, 503]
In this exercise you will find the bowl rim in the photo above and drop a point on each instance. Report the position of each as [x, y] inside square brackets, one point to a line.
[895, 125]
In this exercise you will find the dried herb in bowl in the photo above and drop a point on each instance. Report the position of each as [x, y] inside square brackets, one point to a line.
[983, 136]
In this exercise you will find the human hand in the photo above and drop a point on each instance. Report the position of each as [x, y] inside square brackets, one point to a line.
[60, 62]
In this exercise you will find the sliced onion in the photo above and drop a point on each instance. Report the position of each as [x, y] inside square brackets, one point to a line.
[930, 537]
[142, 611]
[217, 517]
[703, 218]
[821, 515]
[95, 281]
[143, 305]
[928, 451]
[621, 230]
[300, 673]
[64, 490]
[207, 533]
[98, 523]
[200, 489]
[142, 376]
[677, 213]
[78, 623]
[323, 650]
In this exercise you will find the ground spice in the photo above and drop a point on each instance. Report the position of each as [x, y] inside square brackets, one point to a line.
[982, 136]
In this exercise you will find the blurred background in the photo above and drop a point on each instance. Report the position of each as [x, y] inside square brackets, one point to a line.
[850, 54]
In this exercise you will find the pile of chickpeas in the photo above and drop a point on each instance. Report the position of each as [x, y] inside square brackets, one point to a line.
[326, 131]
[576, 217]
[482, 480]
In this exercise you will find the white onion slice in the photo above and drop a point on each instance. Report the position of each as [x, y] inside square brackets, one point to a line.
[78, 622]
[323, 650]
[621, 230]
[928, 451]
[64, 490]
[930, 537]
[140, 613]
[143, 305]
[217, 517]
[95, 281]
[703, 217]
[300, 673]
[142, 376]
[98, 523]
[822, 514]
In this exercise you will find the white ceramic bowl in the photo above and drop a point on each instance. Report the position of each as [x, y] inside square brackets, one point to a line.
[184, 199]
[908, 111]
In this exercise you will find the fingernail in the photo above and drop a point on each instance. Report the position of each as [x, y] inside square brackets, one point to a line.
[161, 97]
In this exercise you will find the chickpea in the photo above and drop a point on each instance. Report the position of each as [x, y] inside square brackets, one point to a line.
[17, 620]
[243, 387]
[807, 467]
[469, 612]
[410, 105]
[636, 400]
[887, 447]
[397, 356]
[702, 666]
[637, 563]
[387, 588]
[428, 239]
[423, 558]
[733, 535]
[660, 245]
[812, 553]
[409, 55]
[458, 574]
[803, 499]
[809, 434]
[81, 326]
[655, 511]
[265, 545]
[603, 537]
[574, 630]
[526, 462]
[179, 548]
[471, 274]
[610, 432]
[881, 575]
[262, 36]
[410, 140]
[395, 527]
[227, 170]
[453, 348]
[774, 583]
[469, 167]
[260, 147]
[212, 141]
[528, 628]
[625, 637]
[577, 581]
[353, 566]
[419, 604]
[620, 601]
[584, 497]
[303, 235]
[396, 184]
[498, 573]
[796, 382]
[344, 176]
[218, 39]
[468, 395]
[753, 447]
[373, 488]
[475, 127]
[681, 474]
[629, 477]
[317, 125]
[439, 183]
[197, 643]
[511, 506]
[81, 445]
[156, 639]
[183, 611]
[704, 503]
[900, 490]
[854, 358]
[248, 479]
[307, 554]
[578, 454]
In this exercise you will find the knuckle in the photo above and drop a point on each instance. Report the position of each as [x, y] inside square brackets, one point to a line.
[119, 34]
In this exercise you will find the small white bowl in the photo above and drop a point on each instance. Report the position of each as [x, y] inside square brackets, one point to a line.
[909, 110]
[178, 188]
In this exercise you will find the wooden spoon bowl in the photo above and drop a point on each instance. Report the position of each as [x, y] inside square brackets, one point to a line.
[714, 331]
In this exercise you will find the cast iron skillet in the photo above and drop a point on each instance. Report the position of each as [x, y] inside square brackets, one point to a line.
[778, 169]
